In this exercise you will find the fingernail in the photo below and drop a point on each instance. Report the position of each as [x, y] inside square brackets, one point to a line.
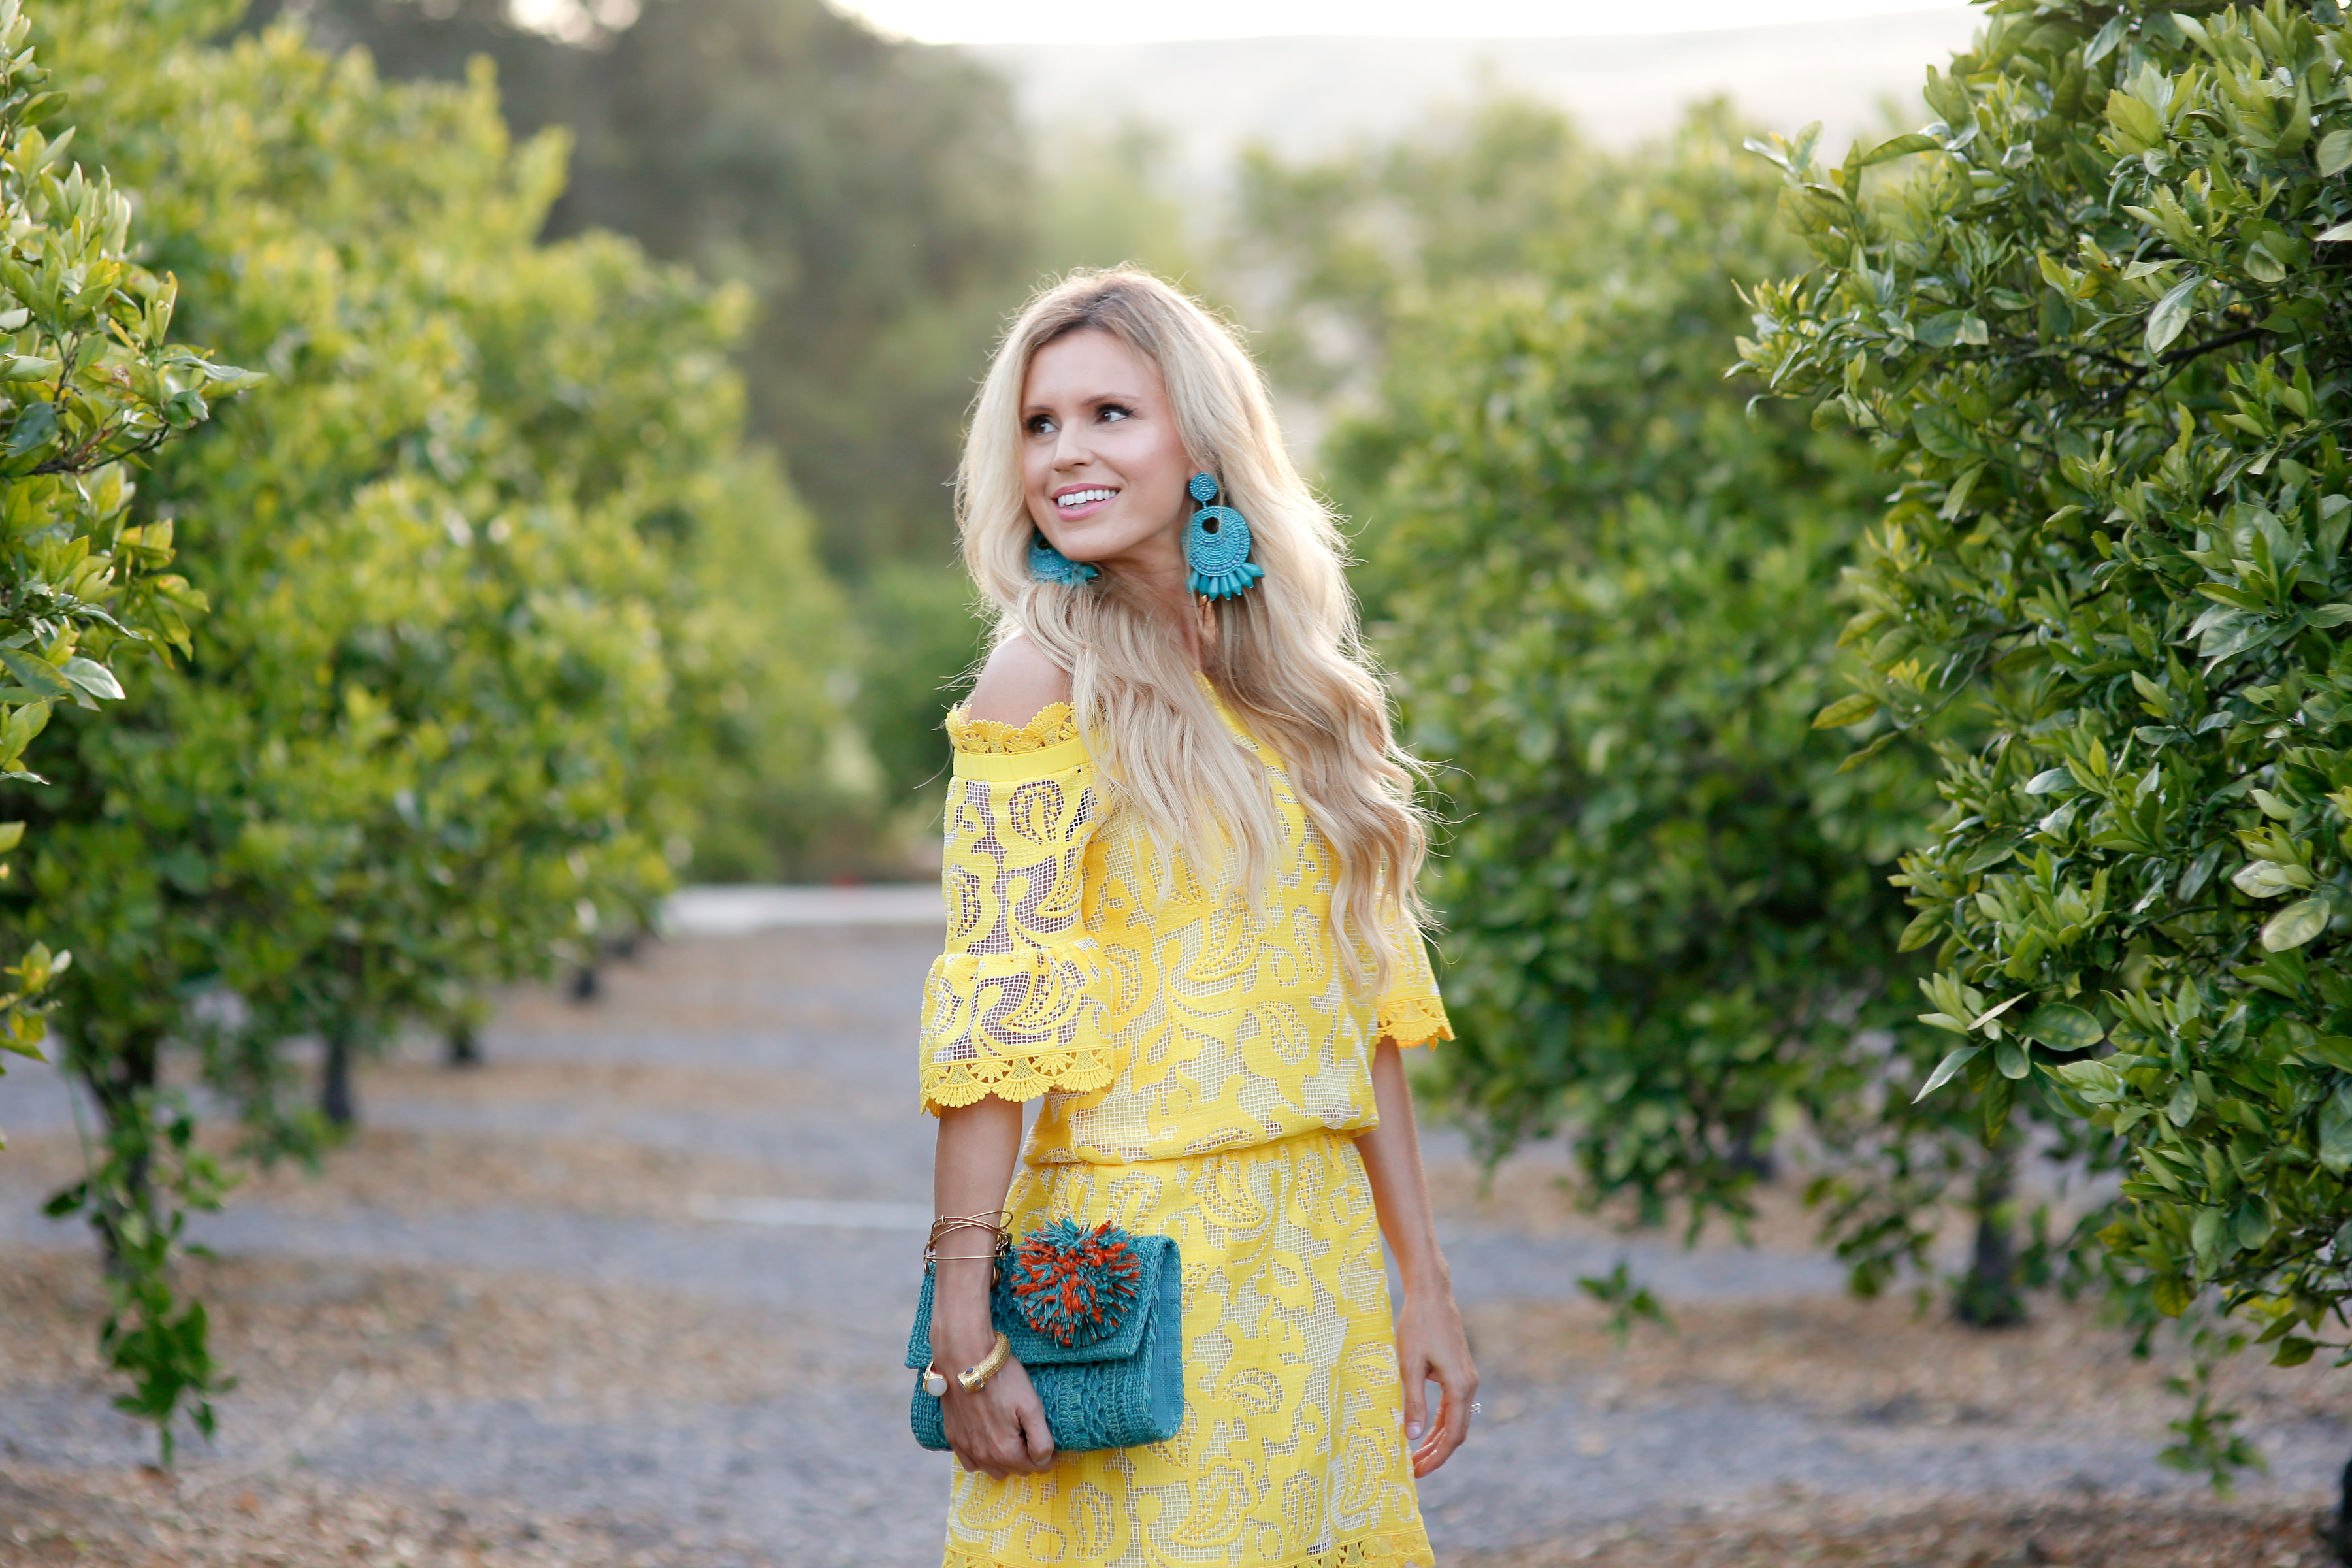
[1412, 1431]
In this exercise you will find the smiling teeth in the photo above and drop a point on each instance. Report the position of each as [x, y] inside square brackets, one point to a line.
[1083, 498]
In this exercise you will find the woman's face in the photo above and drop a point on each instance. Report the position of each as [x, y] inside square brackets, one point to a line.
[1101, 463]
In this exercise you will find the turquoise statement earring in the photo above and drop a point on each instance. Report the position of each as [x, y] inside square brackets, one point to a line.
[1048, 565]
[1217, 546]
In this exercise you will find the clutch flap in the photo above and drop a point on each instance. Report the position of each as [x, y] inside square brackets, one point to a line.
[1086, 1315]
[1155, 1286]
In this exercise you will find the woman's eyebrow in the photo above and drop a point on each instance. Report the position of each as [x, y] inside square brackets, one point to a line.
[1092, 400]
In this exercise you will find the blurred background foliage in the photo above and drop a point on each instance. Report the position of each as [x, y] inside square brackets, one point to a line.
[1611, 594]
[886, 210]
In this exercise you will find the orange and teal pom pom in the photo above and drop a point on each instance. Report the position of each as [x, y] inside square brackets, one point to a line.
[1076, 1286]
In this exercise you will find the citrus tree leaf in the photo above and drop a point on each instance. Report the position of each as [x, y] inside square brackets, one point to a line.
[1948, 1069]
[2295, 925]
[2062, 1027]
[2170, 316]
[1846, 710]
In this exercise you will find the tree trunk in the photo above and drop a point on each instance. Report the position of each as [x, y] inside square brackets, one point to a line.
[1988, 1296]
[465, 1045]
[335, 1102]
[1746, 1158]
[2339, 1528]
[123, 1083]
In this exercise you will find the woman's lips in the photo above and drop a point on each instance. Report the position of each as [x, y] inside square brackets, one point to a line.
[1084, 501]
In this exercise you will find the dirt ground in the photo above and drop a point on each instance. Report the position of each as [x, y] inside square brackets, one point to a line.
[1954, 1536]
[142, 1520]
[455, 1403]
[372, 1335]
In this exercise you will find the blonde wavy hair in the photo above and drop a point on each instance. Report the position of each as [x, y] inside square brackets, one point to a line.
[1286, 658]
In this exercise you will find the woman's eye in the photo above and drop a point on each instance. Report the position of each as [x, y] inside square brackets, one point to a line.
[1041, 426]
[1111, 411]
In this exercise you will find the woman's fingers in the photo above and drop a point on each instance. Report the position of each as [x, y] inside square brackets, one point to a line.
[1000, 1431]
[1431, 1451]
[1039, 1439]
[1416, 1402]
[1037, 1433]
[1430, 1346]
[986, 1463]
[1029, 1438]
[1422, 1435]
[1458, 1386]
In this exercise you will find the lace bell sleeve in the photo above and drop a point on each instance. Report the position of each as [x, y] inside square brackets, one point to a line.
[1411, 1011]
[1014, 1006]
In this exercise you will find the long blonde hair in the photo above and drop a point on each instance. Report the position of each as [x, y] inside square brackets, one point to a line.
[1286, 659]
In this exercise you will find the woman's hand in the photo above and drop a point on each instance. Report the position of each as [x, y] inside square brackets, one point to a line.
[1432, 1347]
[1000, 1431]
[1430, 1343]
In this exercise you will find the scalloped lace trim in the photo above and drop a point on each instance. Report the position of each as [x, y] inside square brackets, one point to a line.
[953, 1083]
[1391, 1548]
[1414, 1021]
[988, 738]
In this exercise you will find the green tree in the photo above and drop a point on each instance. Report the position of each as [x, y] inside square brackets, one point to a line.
[877, 198]
[918, 633]
[874, 195]
[782, 791]
[1610, 596]
[880, 200]
[457, 705]
[92, 384]
[2103, 329]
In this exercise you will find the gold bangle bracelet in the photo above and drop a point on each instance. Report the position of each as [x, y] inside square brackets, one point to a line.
[975, 1378]
[948, 1222]
[972, 1378]
[1000, 1242]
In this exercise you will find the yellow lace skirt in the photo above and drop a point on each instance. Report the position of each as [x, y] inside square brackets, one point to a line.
[1292, 1454]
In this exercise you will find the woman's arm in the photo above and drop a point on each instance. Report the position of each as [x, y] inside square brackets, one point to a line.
[1429, 1337]
[1001, 1428]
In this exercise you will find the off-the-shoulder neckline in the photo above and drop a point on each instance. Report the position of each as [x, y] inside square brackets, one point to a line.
[1051, 726]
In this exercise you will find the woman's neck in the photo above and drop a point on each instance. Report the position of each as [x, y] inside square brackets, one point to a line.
[1162, 581]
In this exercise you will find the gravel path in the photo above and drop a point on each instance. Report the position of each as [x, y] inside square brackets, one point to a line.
[788, 1052]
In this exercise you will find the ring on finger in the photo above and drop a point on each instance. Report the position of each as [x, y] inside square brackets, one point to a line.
[1476, 1408]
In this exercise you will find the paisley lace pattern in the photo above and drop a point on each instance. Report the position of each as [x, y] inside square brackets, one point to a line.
[1292, 1454]
[1180, 1021]
[1234, 1025]
[1014, 1006]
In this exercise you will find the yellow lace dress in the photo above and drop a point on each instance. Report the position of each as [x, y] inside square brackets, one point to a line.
[1204, 1070]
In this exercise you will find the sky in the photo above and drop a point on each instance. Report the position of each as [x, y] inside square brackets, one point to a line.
[1096, 22]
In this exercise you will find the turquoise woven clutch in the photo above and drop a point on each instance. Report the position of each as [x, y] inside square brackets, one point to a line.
[1096, 1318]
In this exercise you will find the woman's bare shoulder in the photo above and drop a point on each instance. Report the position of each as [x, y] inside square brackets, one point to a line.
[1018, 683]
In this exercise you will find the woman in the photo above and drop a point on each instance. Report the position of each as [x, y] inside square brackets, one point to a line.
[1180, 880]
